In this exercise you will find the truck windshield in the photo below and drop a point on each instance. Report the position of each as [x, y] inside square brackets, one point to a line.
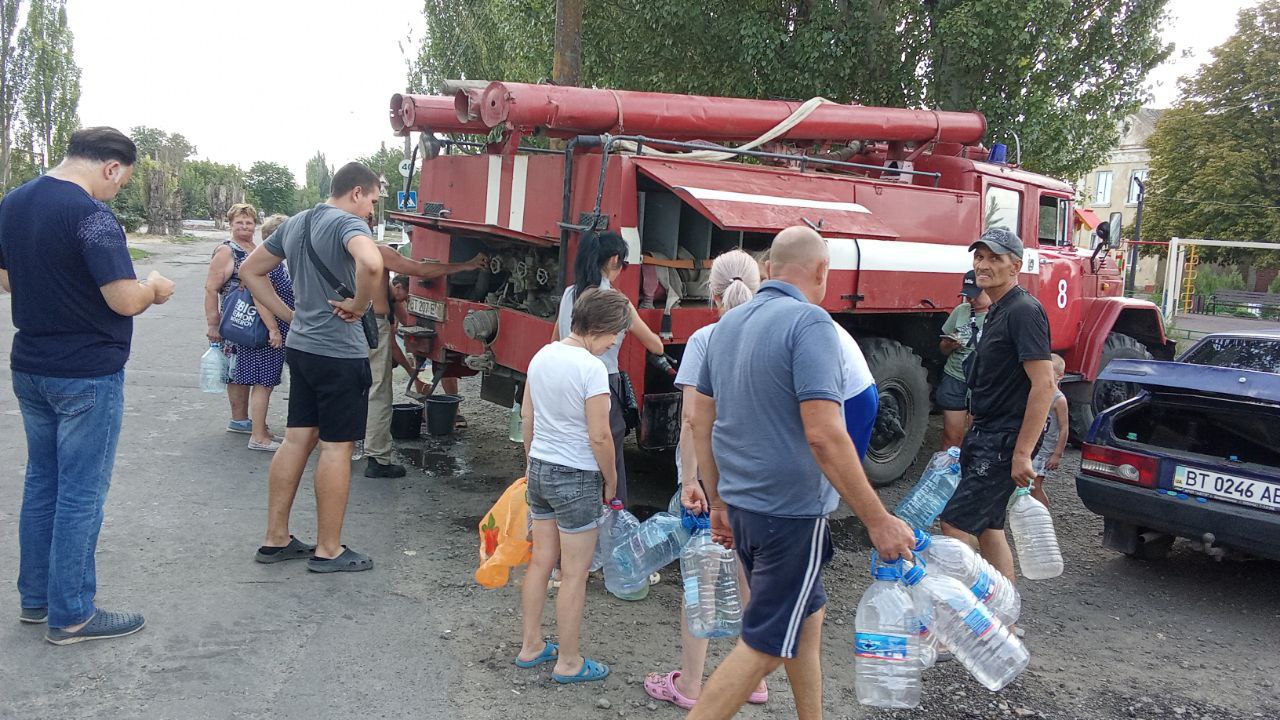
[1261, 354]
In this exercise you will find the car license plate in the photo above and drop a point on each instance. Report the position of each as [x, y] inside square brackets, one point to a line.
[427, 308]
[1228, 487]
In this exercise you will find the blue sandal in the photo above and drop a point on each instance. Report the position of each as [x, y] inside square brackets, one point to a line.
[550, 651]
[591, 671]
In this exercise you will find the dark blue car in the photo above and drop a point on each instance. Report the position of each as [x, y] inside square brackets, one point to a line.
[1194, 454]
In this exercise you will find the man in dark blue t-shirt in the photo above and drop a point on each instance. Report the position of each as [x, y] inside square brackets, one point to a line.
[64, 258]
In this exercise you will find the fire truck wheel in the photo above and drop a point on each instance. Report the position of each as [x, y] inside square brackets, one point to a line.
[904, 408]
[1106, 394]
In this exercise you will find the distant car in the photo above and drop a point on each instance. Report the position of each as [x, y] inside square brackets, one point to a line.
[1194, 454]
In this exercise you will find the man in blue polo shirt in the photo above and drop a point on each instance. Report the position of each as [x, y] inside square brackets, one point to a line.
[776, 459]
[63, 255]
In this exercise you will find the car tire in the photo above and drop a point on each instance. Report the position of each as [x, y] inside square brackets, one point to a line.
[903, 386]
[1103, 395]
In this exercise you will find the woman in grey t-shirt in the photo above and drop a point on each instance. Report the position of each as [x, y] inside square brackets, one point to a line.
[600, 260]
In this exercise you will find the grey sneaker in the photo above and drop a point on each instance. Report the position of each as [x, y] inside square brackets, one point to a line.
[34, 616]
[102, 626]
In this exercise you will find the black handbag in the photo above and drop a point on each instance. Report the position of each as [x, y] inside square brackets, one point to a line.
[368, 321]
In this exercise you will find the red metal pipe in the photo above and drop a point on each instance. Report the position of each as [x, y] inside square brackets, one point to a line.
[571, 110]
[430, 112]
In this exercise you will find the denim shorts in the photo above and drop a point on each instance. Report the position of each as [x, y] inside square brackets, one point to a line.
[570, 496]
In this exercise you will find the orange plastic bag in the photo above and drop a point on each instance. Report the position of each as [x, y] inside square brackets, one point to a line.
[504, 537]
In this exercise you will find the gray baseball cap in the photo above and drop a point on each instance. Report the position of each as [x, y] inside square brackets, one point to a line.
[1001, 240]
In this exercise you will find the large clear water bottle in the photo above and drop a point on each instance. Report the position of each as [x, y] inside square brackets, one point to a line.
[712, 603]
[887, 664]
[515, 424]
[603, 538]
[621, 524]
[649, 547]
[954, 558]
[213, 369]
[1033, 537]
[928, 638]
[926, 500]
[975, 636]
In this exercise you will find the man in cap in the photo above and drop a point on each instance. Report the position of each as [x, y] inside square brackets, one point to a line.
[960, 335]
[1011, 387]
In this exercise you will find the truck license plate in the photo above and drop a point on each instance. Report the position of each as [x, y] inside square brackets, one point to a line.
[427, 308]
[1227, 487]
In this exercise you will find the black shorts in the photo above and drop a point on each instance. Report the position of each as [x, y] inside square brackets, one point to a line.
[952, 394]
[331, 394]
[981, 499]
[782, 559]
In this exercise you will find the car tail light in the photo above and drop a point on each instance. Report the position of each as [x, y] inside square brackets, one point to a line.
[1129, 467]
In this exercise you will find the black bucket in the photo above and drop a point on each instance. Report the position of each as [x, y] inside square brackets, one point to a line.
[406, 421]
[442, 413]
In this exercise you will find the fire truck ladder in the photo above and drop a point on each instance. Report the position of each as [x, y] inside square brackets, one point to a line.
[1189, 278]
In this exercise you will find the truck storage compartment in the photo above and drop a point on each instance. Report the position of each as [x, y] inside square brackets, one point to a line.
[1237, 431]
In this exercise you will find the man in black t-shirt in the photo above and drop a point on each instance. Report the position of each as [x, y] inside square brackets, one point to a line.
[1011, 387]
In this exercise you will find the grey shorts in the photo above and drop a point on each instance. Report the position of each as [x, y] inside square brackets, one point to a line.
[570, 496]
[952, 394]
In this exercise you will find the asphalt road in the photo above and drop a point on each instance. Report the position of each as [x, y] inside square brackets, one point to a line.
[417, 638]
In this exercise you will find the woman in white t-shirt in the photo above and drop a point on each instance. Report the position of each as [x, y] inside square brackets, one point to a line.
[600, 260]
[571, 470]
[734, 279]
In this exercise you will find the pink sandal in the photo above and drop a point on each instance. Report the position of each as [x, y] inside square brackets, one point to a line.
[662, 686]
[759, 697]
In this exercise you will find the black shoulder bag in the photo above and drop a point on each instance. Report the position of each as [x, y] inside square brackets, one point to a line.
[368, 321]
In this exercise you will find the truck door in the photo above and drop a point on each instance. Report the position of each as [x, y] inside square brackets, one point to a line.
[1061, 277]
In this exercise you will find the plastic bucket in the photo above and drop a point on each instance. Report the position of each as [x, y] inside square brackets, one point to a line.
[442, 413]
[406, 421]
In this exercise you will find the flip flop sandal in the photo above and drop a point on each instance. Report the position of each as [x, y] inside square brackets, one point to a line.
[295, 550]
[348, 561]
[550, 651]
[662, 686]
[759, 697]
[590, 672]
[459, 423]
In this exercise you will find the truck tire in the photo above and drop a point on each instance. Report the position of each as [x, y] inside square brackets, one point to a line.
[903, 386]
[1105, 394]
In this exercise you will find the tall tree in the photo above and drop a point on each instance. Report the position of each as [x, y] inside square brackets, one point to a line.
[319, 175]
[53, 83]
[1061, 74]
[386, 162]
[1215, 172]
[13, 79]
[209, 189]
[159, 176]
[271, 187]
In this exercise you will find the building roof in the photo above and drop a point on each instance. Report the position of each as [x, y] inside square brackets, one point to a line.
[1136, 128]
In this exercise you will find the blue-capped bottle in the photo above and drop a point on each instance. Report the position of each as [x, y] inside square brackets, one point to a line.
[620, 524]
[712, 603]
[966, 627]
[925, 502]
[887, 664]
[648, 547]
[954, 558]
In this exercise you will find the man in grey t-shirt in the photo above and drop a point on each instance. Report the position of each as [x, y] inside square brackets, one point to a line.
[775, 458]
[328, 359]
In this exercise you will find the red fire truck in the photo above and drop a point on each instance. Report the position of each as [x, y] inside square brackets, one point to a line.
[898, 194]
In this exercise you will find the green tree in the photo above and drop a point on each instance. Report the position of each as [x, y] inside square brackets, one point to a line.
[271, 187]
[319, 175]
[1215, 172]
[200, 180]
[158, 179]
[13, 81]
[1061, 74]
[52, 90]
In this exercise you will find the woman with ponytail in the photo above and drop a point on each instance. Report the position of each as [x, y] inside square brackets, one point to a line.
[600, 260]
[735, 275]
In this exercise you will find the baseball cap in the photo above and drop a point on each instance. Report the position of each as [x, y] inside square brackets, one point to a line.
[1001, 240]
[969, 287]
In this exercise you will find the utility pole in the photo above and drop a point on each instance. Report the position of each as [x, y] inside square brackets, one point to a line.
[567, 64]
[1131, 272]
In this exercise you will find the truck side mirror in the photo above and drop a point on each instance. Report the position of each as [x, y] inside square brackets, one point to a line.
[1102, 234]
[1116, 226]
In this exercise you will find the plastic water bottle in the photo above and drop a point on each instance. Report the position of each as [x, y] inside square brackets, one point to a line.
[926, 500]
[1033, 537]
[888, 664]
[712, 605]
[977, 638]
[213, 369]
[603, 538]
[515, 424]
[954, 558]
[649, 547]
[621, 524]
[928, 638]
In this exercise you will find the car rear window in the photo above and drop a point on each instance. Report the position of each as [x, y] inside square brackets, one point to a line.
[1260, 354]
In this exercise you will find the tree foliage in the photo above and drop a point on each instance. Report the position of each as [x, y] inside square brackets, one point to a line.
[52, 89]
[157, 190]
[13, 82]
[386, 162]
[1061, 74]
[1215, 172]
[271, 187]
[319, 174]
[204, 185]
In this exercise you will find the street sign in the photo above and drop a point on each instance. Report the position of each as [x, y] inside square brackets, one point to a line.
[405, 167]
[407, 203]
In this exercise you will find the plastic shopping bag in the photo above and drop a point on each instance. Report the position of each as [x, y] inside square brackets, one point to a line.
[504, 537]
